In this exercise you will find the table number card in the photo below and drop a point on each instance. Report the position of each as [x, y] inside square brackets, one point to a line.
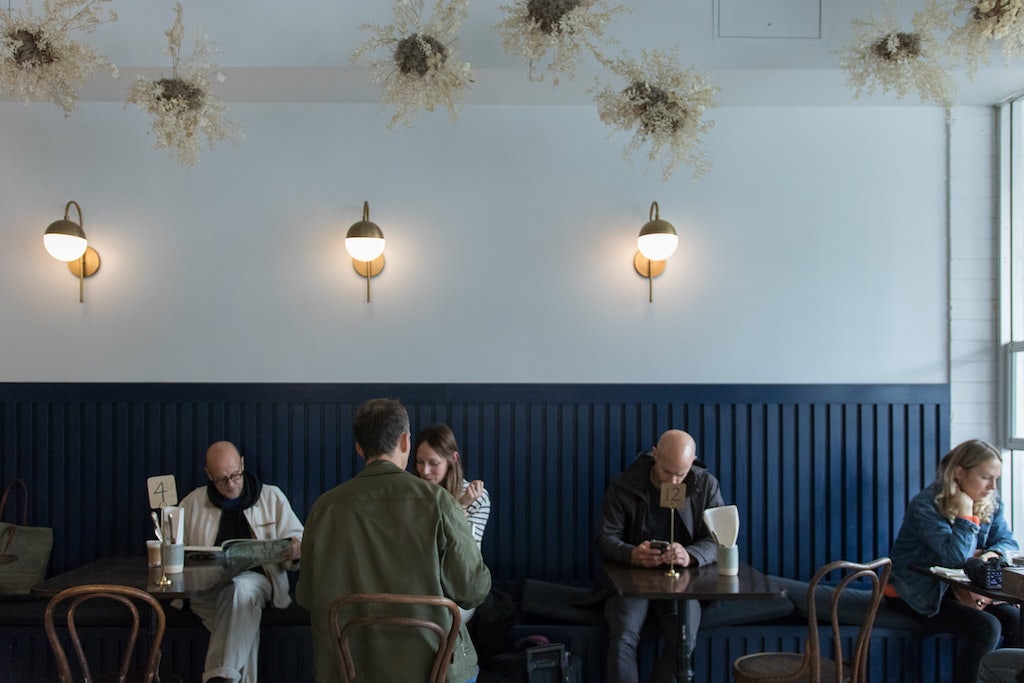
[673, 495]
[162, 491]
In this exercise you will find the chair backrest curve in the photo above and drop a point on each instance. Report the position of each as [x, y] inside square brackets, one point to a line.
[74, 597]
[447, 635]
[876, 574]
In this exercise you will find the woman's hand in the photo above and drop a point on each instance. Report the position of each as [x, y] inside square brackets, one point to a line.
[474, 490]
[964, 504]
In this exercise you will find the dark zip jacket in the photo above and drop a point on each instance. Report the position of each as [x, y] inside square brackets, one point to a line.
[624, 511]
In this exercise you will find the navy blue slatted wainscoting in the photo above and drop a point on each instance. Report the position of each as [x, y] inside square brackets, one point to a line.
[819, 472]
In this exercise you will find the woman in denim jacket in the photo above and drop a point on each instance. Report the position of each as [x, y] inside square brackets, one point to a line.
[957, 517]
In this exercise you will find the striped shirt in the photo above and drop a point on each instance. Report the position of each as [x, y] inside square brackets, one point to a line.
[477, 513]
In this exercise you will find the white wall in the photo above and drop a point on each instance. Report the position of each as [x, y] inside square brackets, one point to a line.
[974, 276]
[815, 250]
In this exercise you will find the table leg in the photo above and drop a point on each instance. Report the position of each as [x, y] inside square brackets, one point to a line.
[1020, 627]
[684, 672]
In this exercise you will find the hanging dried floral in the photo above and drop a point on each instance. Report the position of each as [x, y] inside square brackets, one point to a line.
[534, 28]
[183, 106]
[883, 57]
[663, 104]
[421, 69]
[39, 61]
[985, 23]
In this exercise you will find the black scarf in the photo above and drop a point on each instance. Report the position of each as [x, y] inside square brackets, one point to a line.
[251, 488]
[232, 521]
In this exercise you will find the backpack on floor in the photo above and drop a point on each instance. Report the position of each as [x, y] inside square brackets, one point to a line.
[549, 663]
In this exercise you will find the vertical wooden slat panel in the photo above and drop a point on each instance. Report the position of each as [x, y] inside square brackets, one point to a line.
[818, 472]
[745, 477]
[868, 487]
[792, 494]
[881, 467]
[805, 509]
[776, 497]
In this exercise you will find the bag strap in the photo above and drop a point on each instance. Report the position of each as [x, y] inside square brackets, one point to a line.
[24, 501]
[9, 533]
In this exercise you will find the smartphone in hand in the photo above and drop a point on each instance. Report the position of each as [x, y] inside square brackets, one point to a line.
[659, 545]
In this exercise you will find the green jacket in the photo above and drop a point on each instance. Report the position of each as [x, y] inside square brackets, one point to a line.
[387, 531]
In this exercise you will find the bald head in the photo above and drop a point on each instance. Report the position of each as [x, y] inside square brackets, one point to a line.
[673, 457]
[223, 463]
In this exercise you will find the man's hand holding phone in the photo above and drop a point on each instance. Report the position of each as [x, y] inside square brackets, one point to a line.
[655, 553]
[648, 553]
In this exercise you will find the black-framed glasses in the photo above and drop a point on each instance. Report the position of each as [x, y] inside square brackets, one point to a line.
[230, 479]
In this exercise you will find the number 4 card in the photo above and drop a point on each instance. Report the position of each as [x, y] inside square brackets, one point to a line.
[162, 491]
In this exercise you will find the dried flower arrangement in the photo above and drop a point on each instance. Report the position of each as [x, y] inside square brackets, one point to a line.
[421, 69]
[663, 104]
[38, 58]
[881, 56]
[986, 22]
[183, 105]
[532, 28]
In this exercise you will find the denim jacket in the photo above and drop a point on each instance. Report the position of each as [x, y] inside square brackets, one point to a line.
[928, 539]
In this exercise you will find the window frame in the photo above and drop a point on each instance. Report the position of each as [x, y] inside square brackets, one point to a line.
[1014, 412]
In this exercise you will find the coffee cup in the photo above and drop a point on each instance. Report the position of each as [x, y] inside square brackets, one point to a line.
[154, 553]
[728, 557]
[173, 557]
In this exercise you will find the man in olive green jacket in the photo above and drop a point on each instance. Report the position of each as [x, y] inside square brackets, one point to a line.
[388, 531]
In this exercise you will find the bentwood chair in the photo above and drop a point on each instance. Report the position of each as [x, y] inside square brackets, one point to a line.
[784, 667]
[72, 599]
[387, 617]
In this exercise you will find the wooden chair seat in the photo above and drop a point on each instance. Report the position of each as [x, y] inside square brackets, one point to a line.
[787, 667]
[781, 666]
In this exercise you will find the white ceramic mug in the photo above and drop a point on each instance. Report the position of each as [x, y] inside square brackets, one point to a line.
[728, 557]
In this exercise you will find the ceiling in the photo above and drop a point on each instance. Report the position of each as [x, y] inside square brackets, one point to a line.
[757, 52]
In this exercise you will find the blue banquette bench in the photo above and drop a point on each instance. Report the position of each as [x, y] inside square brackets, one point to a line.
[819, 472]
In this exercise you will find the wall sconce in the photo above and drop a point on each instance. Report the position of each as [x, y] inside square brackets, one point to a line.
[364, 242]
[65, 241]
[655, 243]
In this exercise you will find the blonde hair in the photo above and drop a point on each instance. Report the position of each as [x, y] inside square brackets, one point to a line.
[967, 455]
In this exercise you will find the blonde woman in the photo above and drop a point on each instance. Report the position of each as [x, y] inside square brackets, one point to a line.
[957, 517]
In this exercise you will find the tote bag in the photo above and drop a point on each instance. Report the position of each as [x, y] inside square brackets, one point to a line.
[24, 550]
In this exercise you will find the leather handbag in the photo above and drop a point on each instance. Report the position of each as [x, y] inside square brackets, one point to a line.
[24, 550]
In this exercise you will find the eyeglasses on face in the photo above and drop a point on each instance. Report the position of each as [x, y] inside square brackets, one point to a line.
[230, 479]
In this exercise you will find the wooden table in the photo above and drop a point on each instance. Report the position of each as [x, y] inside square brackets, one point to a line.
[199, 576]
[993, 593]
[702, 583]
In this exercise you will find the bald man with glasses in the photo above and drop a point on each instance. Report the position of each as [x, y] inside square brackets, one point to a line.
[236, 504]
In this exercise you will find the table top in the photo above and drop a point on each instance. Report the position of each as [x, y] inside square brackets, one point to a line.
[994, 593]
[701, 583]
[199, 576]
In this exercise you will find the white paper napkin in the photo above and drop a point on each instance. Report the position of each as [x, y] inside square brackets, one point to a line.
[724, 524]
